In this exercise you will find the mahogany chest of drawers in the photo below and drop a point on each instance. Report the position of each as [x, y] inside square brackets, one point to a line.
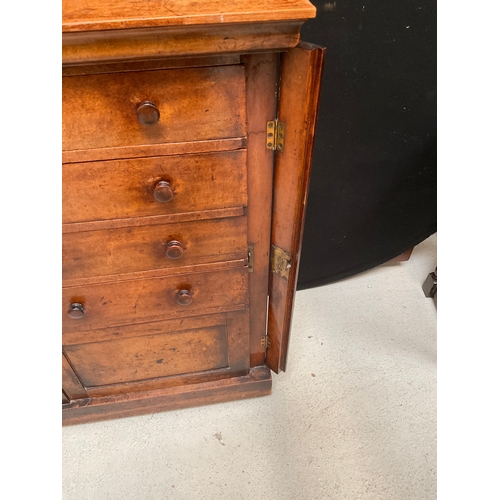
[187, 139]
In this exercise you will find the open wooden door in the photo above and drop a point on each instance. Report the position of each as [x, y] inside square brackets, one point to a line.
[301, 71]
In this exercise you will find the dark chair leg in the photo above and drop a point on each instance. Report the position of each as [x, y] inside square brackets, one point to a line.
[430, 284]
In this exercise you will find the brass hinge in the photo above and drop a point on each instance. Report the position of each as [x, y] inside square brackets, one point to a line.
[250, 258]
[265, 342]
[280, 261]
[275, 135]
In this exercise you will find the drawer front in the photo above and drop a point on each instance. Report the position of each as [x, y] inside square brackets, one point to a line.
[150, 356]
[129, 188]
[121, 109]
[129, 302]
[127, 250]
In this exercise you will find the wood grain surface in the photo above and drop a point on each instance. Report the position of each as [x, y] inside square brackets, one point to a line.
[140, 300]
[150, 356]
[301, 70]
[89, 15]
[138, 44]
[128, 250]
[257, 383]
[125, 188]
[147, 65]
[71, 384]
[166, 184]
[145, 150]
[99, 111]
[262, 82]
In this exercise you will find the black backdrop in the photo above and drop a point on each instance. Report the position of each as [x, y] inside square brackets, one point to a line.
[373, 186]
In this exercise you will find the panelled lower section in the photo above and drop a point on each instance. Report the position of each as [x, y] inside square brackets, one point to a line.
[159, 354]
[150, 356]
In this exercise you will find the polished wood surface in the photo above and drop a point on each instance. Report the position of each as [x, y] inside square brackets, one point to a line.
[185, 41]
[171, 199]
[118, 189]
[72, 386]
[144, 150]
[128, 250]
[256, 383]
[129, 302]
[142, 329]
[150, 356]
[151, 64]
[153, 220]
[262, 84]
[193, 104]
[234, 346]
[93, 15]
[301, 70]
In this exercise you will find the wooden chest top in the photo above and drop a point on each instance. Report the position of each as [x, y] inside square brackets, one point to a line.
[92, 15]
[130, 30]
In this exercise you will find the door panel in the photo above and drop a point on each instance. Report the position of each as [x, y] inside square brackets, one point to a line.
[301, 70]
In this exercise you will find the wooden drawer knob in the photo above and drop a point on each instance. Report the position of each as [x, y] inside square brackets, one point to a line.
[174, 249]
[184, 297]
[76, 310]
[163, 192]
[148, 113]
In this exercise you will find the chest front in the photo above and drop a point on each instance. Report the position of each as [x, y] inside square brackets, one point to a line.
[186, 160]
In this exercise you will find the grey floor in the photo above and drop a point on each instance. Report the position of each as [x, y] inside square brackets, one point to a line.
[354, 416]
